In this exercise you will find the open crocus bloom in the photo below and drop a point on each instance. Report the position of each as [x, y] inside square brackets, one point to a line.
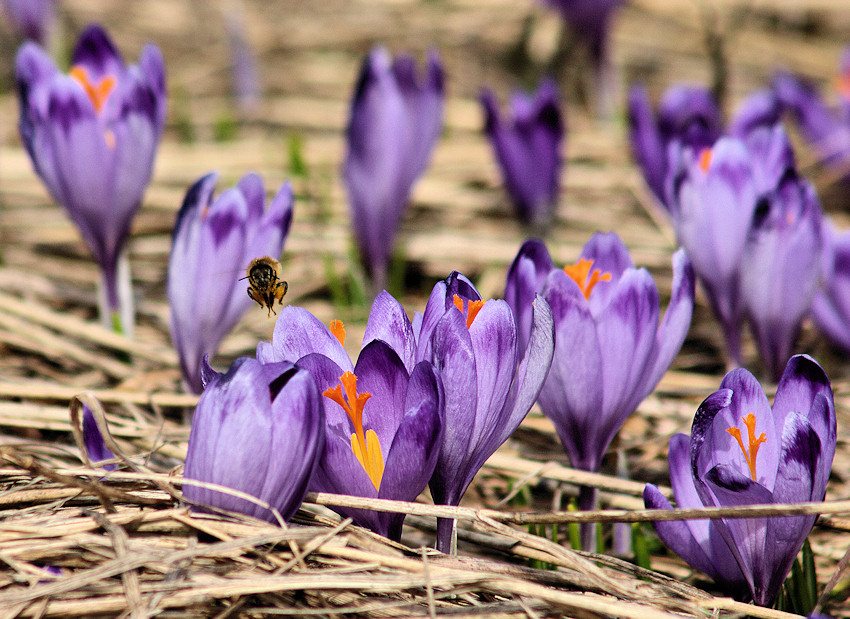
[490, 383]
[259, 429]
[214, 241]
[92, 136]
[527, 147]
[743, 452]
[610, 350]
[385, 415]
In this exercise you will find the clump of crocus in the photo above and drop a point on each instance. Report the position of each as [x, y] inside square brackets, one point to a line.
[610, 350]
[33, 19]
[831, 305]
[743, 452]
[258, 429]
[781, 268]
[394, 123]
[527, 148]
[590, 20]
[92, 136]
[385, 415]
[826, 128]
[491, 379]
[214, 241]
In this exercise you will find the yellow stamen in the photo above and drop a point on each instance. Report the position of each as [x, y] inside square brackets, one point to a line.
[754, 443]
[579, 271]
[365, 445]
[705, 159]
[472, 309]
[98, 93]
[338, 329]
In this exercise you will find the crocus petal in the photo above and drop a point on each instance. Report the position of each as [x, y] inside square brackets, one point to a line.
[381, 373]
[97, 53]
[298, 333]
[648, 147]
[526, 277]
[95, 445]
[388, 322]
[610, 256]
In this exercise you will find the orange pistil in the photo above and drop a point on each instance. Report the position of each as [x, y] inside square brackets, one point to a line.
[579, 271]
[365, 445]
[705, 159]
[842, 84]
[754, 443]
[338, 329]
[472, 308]
[98, 93]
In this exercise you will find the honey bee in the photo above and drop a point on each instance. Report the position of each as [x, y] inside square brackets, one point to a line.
[266, 286]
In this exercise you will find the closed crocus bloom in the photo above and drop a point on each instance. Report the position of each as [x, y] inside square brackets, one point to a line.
[781, 268]
[610, 348]
[527, 148]
[96, 448]
[214, 241]
[394, 123]
[712, 195]
[33, 19]
[686, 114]
[743, 452]
[385, 415]
[258, 429]
[831, 305]
[490, 383]
[92, 136]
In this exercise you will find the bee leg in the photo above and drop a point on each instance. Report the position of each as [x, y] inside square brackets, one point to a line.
[253, 297]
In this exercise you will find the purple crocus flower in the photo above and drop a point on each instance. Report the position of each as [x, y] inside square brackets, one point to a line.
[742, 452]
[527, 148]
[93, 440]
[712, 195]
[259, 429]
[826, 129]
[385, 415]
[214, 242]
[394, 123]
[610, 350]
[33, 19]
[831, 305]
[687, 114]
[490, 382]
[92, 136]
[591, 21]
[781, 268]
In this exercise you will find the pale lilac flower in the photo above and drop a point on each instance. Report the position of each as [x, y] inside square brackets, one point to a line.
[213, 243]
[258, 429]
[743, 452]
[394, 123]
[92, 136]
[33, 19]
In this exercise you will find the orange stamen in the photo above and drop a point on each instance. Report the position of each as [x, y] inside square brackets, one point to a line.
[842, 85]
[705, 159]
[98, 93]
[754, 443]
[365, 445]
[338, 329]
[579, 271]
[472, 308]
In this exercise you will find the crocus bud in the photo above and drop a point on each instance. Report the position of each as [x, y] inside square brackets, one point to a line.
[527, 147]
[781, 268]
[92, 136]
[394, 123]
[214, 241]
[258, 429]
[743, 452]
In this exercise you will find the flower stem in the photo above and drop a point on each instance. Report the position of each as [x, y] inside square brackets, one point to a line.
[115, 297]
[588, 499]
